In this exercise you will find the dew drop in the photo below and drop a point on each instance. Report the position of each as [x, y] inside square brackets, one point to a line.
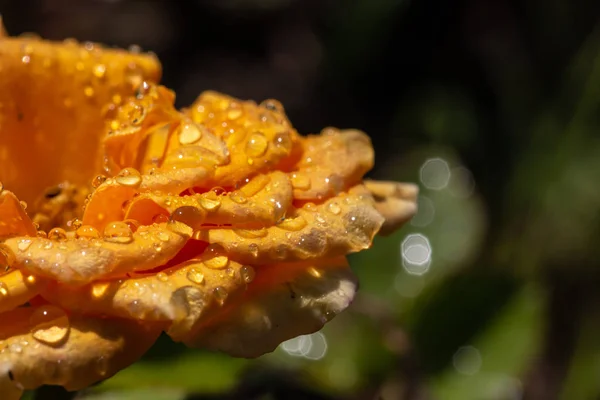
[283, 141]
[118, 232]
[314, 272]
[220, 294]
[7, 257]
[129, 177]
[334, 208]
[256, 145]
[23, 204]
[247, 273]
[102, 366]
[160, 218]
[300, 181]
[292, 224]
[50, 324]
[57, 234]
[99, 71]
[195, 276]
[238, 197]
[217, 262]
[253, 249]
[3, 289]
[209, 204]
[98, 180]
[191, 216]
[24, 244]
[99, 289]
[180, 228]
[190, 133]
[335, 183]
[161, 276]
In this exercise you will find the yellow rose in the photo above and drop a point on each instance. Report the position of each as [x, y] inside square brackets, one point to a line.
[218, 224]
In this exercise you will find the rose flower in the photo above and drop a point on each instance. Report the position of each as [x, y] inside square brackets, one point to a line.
[122, 217]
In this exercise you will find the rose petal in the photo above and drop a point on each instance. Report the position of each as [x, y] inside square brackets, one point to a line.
[181, 294]
[331, 163]
[397, 202]
[73, 351]
[78, 261]
[17, 288]
[262, 201]
[258, 137]
[52, 92]
[344, 224]
[283, 301]
[13, 218]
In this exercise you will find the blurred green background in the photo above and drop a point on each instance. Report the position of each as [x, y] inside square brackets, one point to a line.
[492, 106]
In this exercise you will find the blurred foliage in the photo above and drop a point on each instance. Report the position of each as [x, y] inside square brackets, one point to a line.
[505, 94]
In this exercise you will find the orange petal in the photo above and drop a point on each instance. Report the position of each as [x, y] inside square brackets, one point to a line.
[52, 92]
[182, 294]
[258, 136]
[283, 301]
[46, 346]
[79, 261]
[344, 224]
[13, 218]
[332, 162]
[17, 288]
[262, 201]
[397, 202]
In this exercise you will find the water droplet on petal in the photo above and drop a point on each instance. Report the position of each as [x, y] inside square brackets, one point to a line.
[24, 244]
[191, 216]
[253, 248]
[118, 232]
[129, 177]
[220, 294]
[256, 145]
[208, 203]
[334, 208]
[98, 180]
[247, 273]
[3, 289]
[50, 324]
[238, 197]
[57, 234]
[292, 224]
[300, 181]
[195, 276]
[283, 141]
[190, 133]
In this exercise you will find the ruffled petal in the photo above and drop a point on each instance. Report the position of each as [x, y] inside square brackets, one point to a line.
[331, 163]
[181, 294]
[257, 136]
[47, 346]
[344, 224]
[17, 288]
[77, 261]
[284, 301]
[260, 202]
[396, 202]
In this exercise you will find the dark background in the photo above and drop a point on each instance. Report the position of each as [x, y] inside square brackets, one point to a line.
[503, 96]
